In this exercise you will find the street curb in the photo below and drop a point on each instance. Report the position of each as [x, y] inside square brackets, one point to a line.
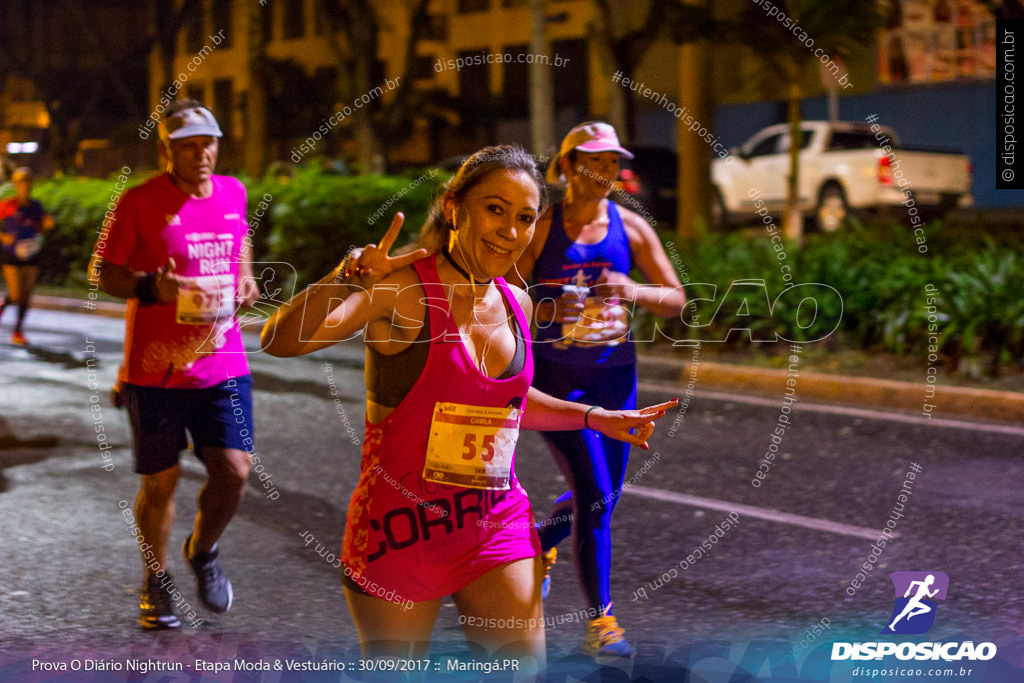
[860, 391]
[107, 309]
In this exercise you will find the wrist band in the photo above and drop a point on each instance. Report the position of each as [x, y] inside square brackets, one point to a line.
[342, 274]
[586, 416]
[144, 289]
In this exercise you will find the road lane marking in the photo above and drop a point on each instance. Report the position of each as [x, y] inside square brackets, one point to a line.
[756, 512]
[841, 410]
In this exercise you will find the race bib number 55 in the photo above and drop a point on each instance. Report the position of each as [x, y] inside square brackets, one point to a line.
[472, 446]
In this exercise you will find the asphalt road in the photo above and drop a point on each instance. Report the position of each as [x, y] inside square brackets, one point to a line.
[766, 603]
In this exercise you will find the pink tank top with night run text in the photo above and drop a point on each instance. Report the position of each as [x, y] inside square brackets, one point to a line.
[193, 342]
[438, 504]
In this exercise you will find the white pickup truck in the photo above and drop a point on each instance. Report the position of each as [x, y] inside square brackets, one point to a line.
[843, 168]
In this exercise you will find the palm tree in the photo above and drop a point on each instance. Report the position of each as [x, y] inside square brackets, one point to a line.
[256, 100]
[625, 49]
[837, 27]
[166, 21]
[542, 91]
[354, 29]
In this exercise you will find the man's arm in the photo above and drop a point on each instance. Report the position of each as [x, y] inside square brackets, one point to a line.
[115, 280]
[124, 283]
[119, 280]
[248, 290]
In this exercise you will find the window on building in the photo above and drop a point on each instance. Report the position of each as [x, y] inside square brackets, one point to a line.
[325, 76]
[222, 21]
[224, 105]
[436, 28]
[423, 67]
[321, 27]
[268, 22]
[378, 71]
[194, 33]
[515, 82]
[474, 84]
[474, 6]
[571, 78]
[197, 92]
[514, 3]
[293, 24]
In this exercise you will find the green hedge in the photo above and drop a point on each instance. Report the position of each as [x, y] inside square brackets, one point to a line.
[881, 276]
[313, 217]
[316, 217]
[78, 206]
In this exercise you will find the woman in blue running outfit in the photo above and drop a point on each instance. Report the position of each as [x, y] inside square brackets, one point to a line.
[580, 260]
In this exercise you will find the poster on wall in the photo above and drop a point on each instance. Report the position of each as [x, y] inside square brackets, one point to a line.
[931, 41]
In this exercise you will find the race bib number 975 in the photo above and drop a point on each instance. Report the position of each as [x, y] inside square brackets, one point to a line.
[206, 300]
[472, 446]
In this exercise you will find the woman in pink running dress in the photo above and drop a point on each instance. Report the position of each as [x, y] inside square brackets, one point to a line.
[438, 509]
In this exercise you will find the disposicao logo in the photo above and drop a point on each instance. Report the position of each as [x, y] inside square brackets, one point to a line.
[912, 614]
[916, 593]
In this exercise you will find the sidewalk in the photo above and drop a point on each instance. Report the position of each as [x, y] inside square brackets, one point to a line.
[860, 391]
[946, 401]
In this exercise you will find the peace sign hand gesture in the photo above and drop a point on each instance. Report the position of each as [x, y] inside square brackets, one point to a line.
[370, 264]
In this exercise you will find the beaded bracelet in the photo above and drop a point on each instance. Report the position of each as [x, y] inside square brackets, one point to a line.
[342, 274]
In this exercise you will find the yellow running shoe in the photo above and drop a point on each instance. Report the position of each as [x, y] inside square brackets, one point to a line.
[605, 638]
[549, 557]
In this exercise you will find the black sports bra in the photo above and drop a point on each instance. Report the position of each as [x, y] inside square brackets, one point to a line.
[390, 378]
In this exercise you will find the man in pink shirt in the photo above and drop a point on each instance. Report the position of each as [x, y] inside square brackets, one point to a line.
[176, 250]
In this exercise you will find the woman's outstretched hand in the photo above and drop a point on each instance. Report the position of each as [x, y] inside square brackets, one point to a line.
[631, 426]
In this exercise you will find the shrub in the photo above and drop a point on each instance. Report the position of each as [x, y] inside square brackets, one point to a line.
[314, 217]
[77, 206]
[881, 277]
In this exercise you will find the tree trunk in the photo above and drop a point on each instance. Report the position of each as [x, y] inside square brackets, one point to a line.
[542, 105]
[162, 22]
[793, 220]
[367, 160]
[694, 153]
[256, 100]
[600, 41]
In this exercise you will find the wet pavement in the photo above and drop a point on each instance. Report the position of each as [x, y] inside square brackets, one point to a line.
[766, 603]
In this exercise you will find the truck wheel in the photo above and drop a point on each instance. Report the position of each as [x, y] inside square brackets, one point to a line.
[832, 210]
[719, 215]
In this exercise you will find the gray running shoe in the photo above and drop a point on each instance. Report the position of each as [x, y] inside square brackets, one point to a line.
[213, 587]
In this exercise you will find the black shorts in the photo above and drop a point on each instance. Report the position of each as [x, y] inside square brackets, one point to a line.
[216, 417]
[9, 259]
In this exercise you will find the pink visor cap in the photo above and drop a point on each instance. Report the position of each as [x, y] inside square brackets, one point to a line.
[592, 136]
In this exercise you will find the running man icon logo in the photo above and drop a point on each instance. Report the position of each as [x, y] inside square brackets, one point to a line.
[916, 592]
